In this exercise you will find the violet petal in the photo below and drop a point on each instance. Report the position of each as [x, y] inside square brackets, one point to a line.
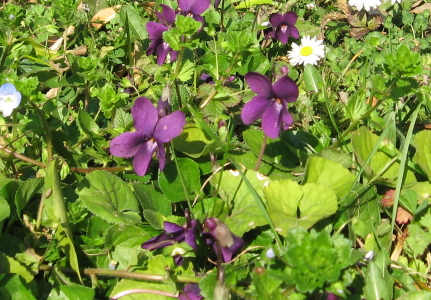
[144, 116]
[190, 292]
[271, 120]
[283, 34]
[172, 228]
[294, 32]
[196, 7]
[286, 88]
[169, 127]
[259, 84]
[228, 252]
[167, 15]
[162, 52]
[127, 144]
[161, 156]
[290, 18]
[155, 30]
[254, 109]
[275, 19]
[143, 157]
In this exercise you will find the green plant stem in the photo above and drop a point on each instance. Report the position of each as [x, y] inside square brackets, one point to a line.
[355, 123]
[183, 182]
[48, 136]
[403, 160]
[7, 50]
[241, 293]
[262, 151]
[125, 274]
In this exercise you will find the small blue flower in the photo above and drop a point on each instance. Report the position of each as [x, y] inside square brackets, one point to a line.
[10, 98]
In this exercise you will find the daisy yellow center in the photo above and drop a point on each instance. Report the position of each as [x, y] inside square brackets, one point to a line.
[306, 51]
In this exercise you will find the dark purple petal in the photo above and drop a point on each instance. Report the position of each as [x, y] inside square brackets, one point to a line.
[271, 120]
[275, 19]
[178, 259]
[286, 118]
[143, 157]
[190, 292]
[127, 144]
[144, 116]
[155, 30]
[190, 237]
[161, 156]
[289, 18]
[216, 3]
[162, 52]
[259, 84]
[163, 108]
[167, 15]
[254, 109]
[174, 55]
[154, 46]
[228, 252]
[285, 88]
[282, 33]
[169, 127]
[172, 227]
[160, 241]
[294, 32]
[196, 7]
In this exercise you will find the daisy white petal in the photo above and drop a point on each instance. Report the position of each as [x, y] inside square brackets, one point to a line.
[366, 4]
[10, 99]
[309, 52]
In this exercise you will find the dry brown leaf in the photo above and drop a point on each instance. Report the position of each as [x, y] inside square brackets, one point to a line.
[52, 93]
[421, 8]
[81, 50]
[104, 16]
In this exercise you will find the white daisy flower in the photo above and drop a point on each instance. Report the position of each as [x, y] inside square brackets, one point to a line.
[10, 98]
[309, 52]
[311, 6]
[366, 4]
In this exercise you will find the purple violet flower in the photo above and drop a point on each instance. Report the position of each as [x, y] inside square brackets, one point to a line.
[158, 46]
[220, 233]
[283, 26]
[270, 103]
[191, 292]
[174, 234]
[150, 135]
[163, 108]
[193, 8]
[217, 3]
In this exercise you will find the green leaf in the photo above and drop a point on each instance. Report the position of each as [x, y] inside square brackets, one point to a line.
[152, 199]
[312, 79]
[192, 142]
[171, 183]
[422, 157]
[125, 235]
[249, 3]
[291, 205]
[136, 24]
[26, 192]
[187, 69]
[245, 213]
[71, 292]
[87, 123]
[4, 211]
[376, 283]
[417, 241]
[416, 295]
[381, 164]
[108, 197]
[276, 151]
[12, 288]
[329, 173]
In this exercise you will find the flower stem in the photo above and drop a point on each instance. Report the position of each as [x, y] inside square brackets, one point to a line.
[262, 151]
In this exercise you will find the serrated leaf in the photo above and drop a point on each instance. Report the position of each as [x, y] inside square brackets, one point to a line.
[225, 98]
[152, 199]
[71, 292]
[291, 205]
[245, 213]
[329, 173]
[26, 191]
[122, 118]
[417, 241]
[186, 71]
[171, 183]
[312, 79]
[109, 197]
